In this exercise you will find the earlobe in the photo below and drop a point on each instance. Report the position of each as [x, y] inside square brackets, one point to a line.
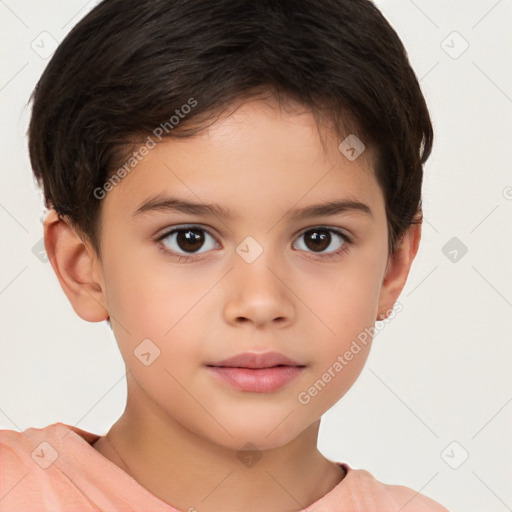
[397, 270]
[73, 262]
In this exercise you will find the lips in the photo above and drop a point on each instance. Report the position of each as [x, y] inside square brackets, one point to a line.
[256, 372]
[257, 360]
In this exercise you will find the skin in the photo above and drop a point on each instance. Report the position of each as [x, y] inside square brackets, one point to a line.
[182, 429]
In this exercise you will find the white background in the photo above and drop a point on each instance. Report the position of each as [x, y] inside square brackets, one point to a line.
[438, 373]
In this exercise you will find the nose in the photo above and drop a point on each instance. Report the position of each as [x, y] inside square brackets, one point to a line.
[259, 293]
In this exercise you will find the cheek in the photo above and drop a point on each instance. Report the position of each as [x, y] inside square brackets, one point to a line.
[154, 309]
[345, 302]
[148, 294]
[345, 315]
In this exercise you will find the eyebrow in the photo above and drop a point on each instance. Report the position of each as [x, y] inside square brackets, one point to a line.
[171, 203]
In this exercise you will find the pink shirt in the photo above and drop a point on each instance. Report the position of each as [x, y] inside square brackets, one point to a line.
[56, 469]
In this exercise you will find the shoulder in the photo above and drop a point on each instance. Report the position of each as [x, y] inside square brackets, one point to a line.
[33, 447]
[16, 450]
[29, 470]
[360, 491]
[406, 498]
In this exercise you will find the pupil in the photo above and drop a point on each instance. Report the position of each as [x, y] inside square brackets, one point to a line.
[190, 239]
[321, 240]
[193, 240]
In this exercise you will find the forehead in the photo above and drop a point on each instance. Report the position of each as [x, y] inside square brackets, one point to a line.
[255, 149]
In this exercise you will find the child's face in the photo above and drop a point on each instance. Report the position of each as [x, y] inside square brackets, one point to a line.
[297, 297]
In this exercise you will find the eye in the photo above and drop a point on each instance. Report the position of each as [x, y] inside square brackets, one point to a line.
[320, 239]
[187, 240]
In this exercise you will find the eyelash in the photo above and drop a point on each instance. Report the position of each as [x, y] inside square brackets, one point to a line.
[185, 259]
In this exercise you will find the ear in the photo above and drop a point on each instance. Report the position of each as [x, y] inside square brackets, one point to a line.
[397, 270]
[76, 266]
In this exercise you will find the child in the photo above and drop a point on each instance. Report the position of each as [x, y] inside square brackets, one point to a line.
[284, 142]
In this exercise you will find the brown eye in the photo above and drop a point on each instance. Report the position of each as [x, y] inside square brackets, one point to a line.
[319, 240]
[188, 240]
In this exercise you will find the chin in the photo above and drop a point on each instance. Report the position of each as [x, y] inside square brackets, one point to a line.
[264, 435]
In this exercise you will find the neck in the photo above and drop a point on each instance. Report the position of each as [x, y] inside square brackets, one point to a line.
[190, 472]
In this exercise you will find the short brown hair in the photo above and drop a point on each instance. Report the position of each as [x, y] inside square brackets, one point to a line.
[126, 67]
